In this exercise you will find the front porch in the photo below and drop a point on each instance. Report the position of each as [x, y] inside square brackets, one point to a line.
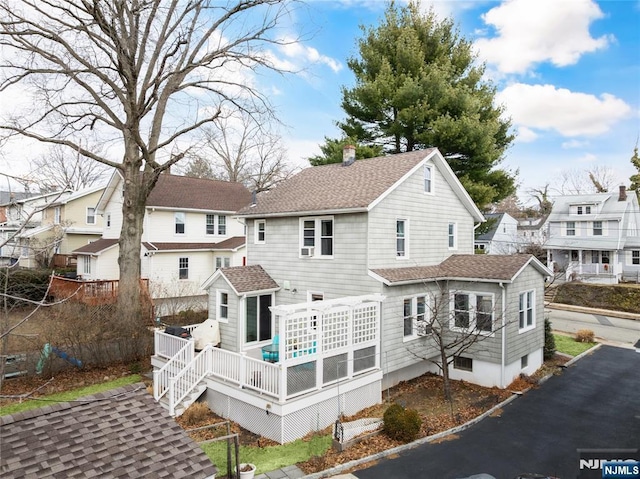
[328, 364]
[593, 266]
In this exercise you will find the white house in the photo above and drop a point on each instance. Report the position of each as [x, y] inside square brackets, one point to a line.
[188, 232]
[349, 269]
[595, 237]
[501, 237]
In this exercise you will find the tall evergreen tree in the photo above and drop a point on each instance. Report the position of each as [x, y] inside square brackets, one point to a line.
[635, 179]
[417, 86]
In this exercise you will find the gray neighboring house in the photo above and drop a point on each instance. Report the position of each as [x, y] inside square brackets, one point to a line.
[502, 236]
[122, 433]
[595, 237]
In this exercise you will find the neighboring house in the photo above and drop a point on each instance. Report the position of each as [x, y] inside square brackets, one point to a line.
[595, 237]
[67, 224]
[347, 267]
[189, 231]
[121, 433]
[532, 231]
[502, 236]
[20, 215]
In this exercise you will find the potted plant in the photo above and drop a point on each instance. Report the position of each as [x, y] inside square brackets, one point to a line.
[247, 470]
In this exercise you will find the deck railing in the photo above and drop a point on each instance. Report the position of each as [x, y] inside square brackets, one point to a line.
[183, 356]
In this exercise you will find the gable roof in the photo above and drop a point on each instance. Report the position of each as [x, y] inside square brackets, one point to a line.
[473, 267]
[97, 246]
[79, 194]
[244, 279]
[186, 193]
[491, 232]
[354, 188]
[120, 433]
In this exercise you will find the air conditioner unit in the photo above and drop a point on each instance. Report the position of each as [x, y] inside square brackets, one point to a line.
[307, 251]
[423, 328]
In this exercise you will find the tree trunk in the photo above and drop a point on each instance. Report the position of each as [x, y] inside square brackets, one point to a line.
[446, 382]
[129, 306]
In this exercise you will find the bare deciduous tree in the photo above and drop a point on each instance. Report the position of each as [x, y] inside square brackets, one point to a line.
[137, 76]
[597, 179]
[60, 168]
[241, 148]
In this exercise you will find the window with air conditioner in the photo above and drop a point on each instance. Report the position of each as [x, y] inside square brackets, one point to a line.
[316, 237]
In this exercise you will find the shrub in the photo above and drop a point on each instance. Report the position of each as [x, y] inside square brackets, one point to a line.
[549, 340]
[401, 424]
[585, 336]
[197, 413]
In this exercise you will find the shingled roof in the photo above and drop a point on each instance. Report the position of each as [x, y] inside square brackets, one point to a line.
[198, 193]
[121, 433]
[97, 246]
[503, 268]
[245, 279]
[335, 187]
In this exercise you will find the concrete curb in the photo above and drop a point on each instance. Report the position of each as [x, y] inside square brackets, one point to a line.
[338, 470]
[603, 312]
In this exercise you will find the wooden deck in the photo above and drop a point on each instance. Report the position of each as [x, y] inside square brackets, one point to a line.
[93, 293]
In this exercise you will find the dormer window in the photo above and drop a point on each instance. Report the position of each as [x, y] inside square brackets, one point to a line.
[583, 209]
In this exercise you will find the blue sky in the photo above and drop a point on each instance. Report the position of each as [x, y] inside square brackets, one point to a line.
[567, 72]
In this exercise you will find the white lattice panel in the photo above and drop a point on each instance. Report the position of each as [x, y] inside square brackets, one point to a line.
[301, 334]
[335, 323]
[365, 323]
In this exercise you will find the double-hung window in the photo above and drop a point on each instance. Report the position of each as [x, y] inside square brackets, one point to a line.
[451, 235]
[222, 225]
[211, 224]
[91, 216]
[472, 311]
[223, 305]
[180, 219]
[57, 215]
[183, 268]
[401, 238]
[597, 228]
[571, 228]
[261, 231]
[428, 179]
[526, 314]
[87, 265]
[222, 262]
[317, 233]
[414, 314]
[635, 257]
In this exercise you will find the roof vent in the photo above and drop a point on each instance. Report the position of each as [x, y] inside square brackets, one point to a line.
[348, 155]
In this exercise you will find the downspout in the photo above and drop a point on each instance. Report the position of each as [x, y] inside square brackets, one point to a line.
[503, 335]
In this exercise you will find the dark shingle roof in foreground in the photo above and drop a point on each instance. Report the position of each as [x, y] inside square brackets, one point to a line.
[463, 267]
[121, 433]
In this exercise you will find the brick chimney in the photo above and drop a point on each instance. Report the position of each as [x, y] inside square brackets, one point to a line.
[348, 155]
[623, 193]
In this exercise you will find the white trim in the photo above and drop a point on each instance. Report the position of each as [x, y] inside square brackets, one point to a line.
[431, 178]
[219, 293]
[317, 238]
[454, 234]
[472, 311]
[532, 326]
[404, 256]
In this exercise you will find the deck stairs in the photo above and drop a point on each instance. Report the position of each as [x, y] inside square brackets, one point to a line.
[183, 405]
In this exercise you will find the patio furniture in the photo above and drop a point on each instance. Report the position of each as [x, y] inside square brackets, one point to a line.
[270, 352]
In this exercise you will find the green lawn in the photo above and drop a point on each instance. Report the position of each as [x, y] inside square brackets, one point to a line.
[269, 458]
[568, 345]
[68, 395]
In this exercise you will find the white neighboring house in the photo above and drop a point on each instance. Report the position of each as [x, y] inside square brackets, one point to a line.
[595, 237]
[348, 265]
[532, 231]
[188, 232]
[502, 236]
[70, 222]
[21, 215]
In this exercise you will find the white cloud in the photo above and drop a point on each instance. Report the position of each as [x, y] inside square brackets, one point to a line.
[296, 51]
[532, 32]
[587, 158]
[545, 107]
[568, 145]
[526, 135]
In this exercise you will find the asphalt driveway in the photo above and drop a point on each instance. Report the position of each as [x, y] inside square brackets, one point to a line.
[594, 404]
